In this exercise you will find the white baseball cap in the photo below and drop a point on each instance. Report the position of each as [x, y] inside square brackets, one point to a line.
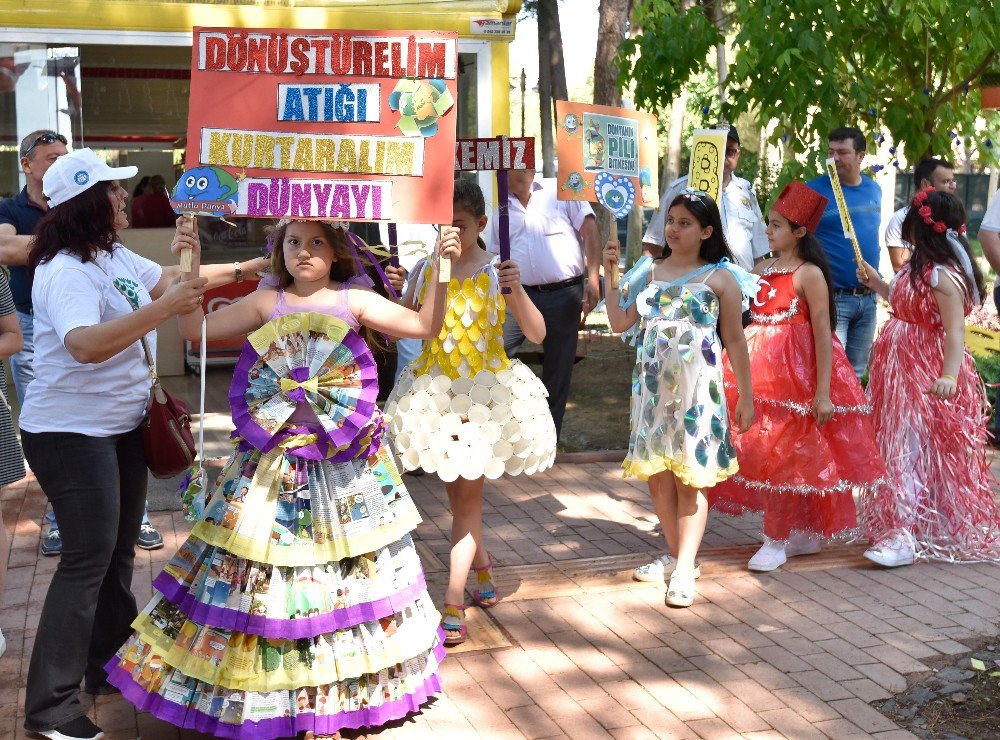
[77, 171]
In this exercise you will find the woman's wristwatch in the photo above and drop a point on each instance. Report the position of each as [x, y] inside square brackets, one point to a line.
[239, 271]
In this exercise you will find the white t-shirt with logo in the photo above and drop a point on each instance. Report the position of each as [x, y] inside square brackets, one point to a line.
[893, 236]
[102, 399]
[991, 221]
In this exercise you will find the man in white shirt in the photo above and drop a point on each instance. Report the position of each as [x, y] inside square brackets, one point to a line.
[742, 221]
[989, 237]
[556, 246]
[929, 173]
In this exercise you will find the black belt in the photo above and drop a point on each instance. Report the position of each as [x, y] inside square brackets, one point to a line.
[24, 309]
[548, 287]
[854, 291]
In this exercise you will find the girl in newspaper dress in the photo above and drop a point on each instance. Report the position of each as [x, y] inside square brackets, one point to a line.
[298, 603]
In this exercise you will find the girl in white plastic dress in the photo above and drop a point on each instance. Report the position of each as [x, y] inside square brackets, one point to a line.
[464, 410]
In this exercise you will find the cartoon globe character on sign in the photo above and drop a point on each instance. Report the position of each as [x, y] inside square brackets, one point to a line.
[646, 183]
[420, 104]
[571, 123]
[206, 184]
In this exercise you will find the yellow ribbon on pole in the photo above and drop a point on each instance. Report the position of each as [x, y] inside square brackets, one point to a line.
[845, 215]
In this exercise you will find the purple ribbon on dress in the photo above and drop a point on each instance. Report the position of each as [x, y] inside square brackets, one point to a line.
[356, 243]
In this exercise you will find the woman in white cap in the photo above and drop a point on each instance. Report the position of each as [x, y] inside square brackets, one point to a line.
[94, 300]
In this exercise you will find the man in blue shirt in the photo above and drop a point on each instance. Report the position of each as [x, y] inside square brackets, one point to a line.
[856, 305]
[18, 217]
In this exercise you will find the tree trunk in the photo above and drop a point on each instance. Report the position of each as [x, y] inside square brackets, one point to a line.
[613, 17]
[720, 55]
[545, 101]
[675, 136]
[548, 19]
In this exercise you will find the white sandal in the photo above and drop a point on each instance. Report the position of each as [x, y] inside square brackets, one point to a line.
[680, 589]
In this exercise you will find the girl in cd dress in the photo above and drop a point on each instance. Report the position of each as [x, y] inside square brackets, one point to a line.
[464, 410]
[680, 440]
[298, 603]
[928, 402]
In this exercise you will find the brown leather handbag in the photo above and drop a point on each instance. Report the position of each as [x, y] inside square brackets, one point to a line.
[166, 430]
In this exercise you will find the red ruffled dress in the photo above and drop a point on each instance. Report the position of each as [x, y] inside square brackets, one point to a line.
[935, 449]
[799, 475]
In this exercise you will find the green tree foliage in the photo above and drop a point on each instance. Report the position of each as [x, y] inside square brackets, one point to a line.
[908, 68]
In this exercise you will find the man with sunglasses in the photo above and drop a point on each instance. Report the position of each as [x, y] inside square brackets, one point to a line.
[18, 217]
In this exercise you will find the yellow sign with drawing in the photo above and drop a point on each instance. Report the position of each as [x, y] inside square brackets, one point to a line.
[708, 157]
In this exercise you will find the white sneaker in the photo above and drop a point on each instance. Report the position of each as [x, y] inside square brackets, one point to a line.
[892, 552]
[803, 544]
[658, 570]
[770, 556]
[3, 644]
[680, 590]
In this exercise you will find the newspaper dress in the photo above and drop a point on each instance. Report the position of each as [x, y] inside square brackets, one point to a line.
[462, 408]
[298, 603]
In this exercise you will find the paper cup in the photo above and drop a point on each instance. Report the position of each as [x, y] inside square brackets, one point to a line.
[440, 384]
[418, 439]
[521, 447]
[422, 383]
[429, 460]
[480, 394]
[461, 386]
[530, 464]
[500, 394]
[506, 377]
[420, 401]
[501, 414]
[490, 432]
[485, 378]
[514, 466]
[461, 405]
[472, 468]
[451, 424]
[402, 441]
[503, 450]
[470, 434]
[511, 431]
[494, 468]
[411, 459]
[402, 405]
[448, 470]
[440, 402]
[478, 413]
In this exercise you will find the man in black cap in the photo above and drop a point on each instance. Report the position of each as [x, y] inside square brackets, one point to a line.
[742, 221]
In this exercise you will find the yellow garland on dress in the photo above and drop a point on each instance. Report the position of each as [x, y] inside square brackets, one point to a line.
[694, 477]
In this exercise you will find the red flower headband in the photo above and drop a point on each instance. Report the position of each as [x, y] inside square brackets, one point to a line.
[919, 200]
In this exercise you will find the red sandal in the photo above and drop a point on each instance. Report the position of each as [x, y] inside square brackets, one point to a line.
[453, 624]
[486, 594]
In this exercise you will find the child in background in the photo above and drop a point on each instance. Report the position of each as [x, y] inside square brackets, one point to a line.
[464, 410]
[812, 444]
[11, 457]
[310, 496]
[929, 404]
[680, 440]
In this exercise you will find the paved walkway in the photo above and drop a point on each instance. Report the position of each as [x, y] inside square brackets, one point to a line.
[578, 649]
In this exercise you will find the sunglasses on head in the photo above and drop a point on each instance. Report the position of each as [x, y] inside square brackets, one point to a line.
[45, 139]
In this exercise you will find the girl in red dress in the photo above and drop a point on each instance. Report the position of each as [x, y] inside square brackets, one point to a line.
[930, 407]
[813, 444]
